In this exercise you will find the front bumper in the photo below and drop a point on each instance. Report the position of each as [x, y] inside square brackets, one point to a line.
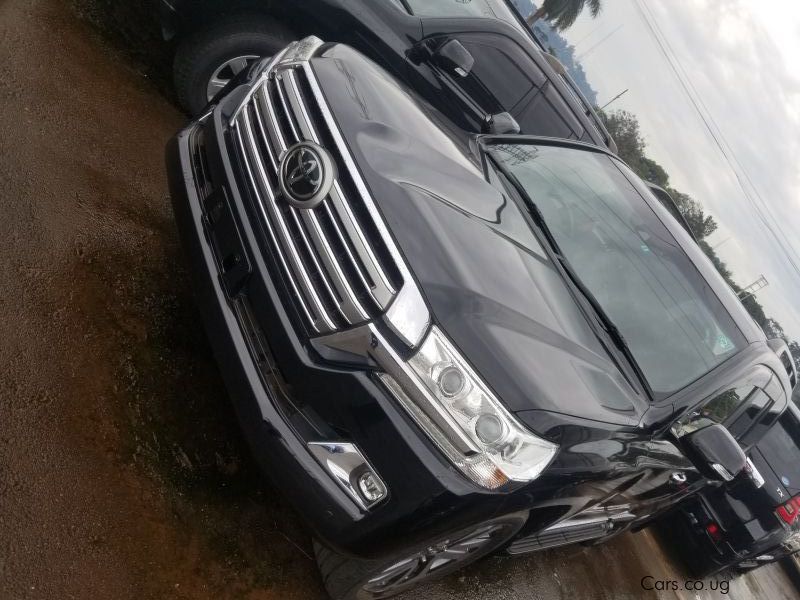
[286, 394]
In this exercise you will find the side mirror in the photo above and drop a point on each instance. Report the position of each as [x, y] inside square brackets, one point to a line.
[452, 56]
[500, 124]
[714, 452]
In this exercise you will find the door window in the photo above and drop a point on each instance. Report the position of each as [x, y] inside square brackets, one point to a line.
[460, 9]
[747, 410]
[717, 410]
[780, 447]
[497, 80]
[504, 78]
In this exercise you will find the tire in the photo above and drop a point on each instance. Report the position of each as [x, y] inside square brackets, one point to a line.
[347, 578]
[202, 53]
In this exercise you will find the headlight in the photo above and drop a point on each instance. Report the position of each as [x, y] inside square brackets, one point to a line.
[461, 414]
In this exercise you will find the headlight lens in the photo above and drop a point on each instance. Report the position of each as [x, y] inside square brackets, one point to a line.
[465, 419]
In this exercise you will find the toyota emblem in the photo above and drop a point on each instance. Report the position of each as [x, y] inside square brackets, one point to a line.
[306, 175]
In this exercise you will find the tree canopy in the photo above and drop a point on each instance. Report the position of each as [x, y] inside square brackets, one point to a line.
[563, 13]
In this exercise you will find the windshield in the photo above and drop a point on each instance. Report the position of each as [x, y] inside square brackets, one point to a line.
[675, 326]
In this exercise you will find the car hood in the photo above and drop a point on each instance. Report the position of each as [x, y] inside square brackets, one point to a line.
[491, 286]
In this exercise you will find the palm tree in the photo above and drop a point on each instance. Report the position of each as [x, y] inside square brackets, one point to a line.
[563, 13]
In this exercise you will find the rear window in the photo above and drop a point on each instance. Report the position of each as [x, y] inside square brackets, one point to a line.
[780, 446]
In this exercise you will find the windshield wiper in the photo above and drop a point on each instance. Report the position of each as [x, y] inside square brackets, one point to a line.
[605, 321]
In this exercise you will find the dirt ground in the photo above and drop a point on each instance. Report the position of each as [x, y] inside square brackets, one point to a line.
[122, 472]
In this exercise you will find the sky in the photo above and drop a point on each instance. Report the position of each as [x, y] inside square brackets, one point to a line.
[739, 61]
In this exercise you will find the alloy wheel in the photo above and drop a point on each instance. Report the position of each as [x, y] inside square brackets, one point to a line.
[435, 559]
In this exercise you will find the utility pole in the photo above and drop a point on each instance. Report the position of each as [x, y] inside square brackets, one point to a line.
[751, 289]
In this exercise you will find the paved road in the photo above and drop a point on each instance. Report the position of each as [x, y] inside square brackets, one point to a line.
[122, 474]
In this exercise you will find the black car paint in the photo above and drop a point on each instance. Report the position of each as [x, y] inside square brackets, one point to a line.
[428, 177]
[402, 43]
[746, 515]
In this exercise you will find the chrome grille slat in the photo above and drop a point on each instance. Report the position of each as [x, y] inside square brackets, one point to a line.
[380, 288]
[275, 145]
[408, 314]
[265, 136]
[338, 258]
[323, 322]
[346, 298]
[281, 257]
[296, 135]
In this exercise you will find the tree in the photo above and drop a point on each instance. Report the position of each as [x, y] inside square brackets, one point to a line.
[773, 329]
[563, 13]
[624, 128]
[701, 224]
[794, 348]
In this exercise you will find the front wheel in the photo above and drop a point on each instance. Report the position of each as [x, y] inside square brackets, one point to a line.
[207, 60]
[347, 578]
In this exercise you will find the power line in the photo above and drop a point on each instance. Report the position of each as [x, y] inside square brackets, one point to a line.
[595, 45]
[780, 236]
[588, 35]
[714, 130]
[763, 212]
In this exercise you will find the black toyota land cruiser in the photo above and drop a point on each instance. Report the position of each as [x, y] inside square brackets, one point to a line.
[472, 60]
[442, 343]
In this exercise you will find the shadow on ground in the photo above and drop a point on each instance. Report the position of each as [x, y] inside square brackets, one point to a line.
[182, 425]
[131, 27]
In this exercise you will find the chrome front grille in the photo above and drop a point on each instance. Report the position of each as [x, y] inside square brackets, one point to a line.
[335, 260]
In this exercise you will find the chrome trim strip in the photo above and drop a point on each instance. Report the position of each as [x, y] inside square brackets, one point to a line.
[345, 297]
[382, 290]
[754, 474]
[324, 322]
[570, 531]
[410, 327]
[581, 521]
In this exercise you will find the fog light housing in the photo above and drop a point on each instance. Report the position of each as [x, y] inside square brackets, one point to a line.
[351, 471]
[371, 487]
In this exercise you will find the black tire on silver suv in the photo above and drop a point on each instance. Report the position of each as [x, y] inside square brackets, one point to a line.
[346, 578]
[207, 59]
